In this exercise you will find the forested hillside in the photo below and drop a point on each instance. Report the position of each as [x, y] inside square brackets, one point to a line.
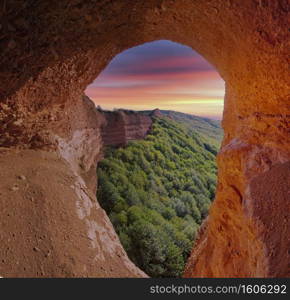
[209, 128]
[157, 191]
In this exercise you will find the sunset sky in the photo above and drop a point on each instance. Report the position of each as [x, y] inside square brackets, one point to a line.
[162, 75]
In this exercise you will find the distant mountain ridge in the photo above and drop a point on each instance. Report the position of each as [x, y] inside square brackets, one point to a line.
[129, 119]
[209, 128]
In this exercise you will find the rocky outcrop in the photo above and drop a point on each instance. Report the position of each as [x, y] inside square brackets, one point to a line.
[44, 188]
[120, 127]
[156, 113]
[50, 52]
[41, 189]
[246, 233]
[39, 192]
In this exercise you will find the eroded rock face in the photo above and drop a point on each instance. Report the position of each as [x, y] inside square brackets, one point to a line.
[51, 224]
[121, 127]
[50, 52]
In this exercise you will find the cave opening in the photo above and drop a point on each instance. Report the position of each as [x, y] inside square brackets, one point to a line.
[50, 53]
[161, 105]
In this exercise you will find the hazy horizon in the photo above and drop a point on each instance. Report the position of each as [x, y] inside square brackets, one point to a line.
[163, 75]
[151, 109]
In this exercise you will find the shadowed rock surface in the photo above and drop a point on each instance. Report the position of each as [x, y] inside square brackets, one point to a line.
[121, 127]
[50, 52]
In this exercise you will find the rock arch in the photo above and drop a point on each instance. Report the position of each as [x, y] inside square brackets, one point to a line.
[49, 134]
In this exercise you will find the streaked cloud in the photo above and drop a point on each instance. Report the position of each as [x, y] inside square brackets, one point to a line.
[160, 74]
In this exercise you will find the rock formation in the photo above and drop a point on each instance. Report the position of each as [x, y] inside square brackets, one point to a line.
[121, 127]
[51, 224]
[156, 113]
